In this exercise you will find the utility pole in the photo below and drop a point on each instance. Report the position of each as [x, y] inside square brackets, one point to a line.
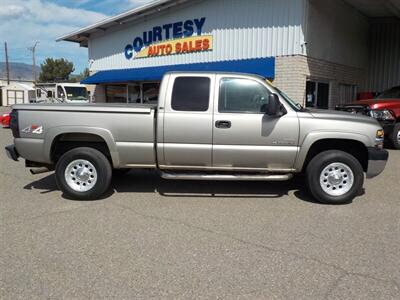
[33, 50]
[7, 65]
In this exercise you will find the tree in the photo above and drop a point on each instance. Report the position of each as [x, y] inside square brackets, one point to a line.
[55, 70]
[83, 75]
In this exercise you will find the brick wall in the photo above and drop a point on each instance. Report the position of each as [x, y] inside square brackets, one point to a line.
[292, 72]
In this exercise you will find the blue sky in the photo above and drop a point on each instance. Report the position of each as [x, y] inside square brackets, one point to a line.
[22, 22]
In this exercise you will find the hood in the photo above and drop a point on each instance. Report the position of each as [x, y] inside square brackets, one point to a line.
[340, 115]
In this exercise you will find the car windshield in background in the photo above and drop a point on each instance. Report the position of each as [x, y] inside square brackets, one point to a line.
[76, 93]
[391, 93]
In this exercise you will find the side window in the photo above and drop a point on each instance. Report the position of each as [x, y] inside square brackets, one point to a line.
[191, 94]
[60, 92]
[237, 95]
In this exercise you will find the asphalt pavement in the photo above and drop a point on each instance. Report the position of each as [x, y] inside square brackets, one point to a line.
[152, 238]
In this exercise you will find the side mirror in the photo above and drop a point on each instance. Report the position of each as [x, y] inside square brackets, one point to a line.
[274, 105]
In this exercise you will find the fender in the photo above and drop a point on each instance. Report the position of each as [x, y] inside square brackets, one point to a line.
[315, 136]
[105, 134]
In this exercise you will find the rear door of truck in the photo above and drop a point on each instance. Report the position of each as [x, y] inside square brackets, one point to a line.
[188, 122]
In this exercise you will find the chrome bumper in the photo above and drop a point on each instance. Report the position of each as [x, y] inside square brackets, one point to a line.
[377, 159]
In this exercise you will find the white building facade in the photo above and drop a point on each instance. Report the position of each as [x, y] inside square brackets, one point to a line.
[321, 53]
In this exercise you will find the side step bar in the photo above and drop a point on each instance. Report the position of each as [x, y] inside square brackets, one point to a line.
[227, 177]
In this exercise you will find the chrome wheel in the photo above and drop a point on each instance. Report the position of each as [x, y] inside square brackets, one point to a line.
[81, 175]
[336, 179]
[398, 136]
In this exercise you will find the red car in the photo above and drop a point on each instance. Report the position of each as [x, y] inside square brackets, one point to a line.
[5, 120]
[385, 108]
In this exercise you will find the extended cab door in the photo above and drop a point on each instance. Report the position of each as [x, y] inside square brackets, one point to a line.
[245, 138]
[188, 121]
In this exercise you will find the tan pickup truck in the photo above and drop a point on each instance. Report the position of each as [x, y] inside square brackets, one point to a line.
[207, 126]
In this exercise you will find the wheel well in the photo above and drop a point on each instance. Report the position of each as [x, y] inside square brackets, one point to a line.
[68, 141]
[355, 148]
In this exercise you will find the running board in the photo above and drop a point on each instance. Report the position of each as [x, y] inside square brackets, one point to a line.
[227, 177]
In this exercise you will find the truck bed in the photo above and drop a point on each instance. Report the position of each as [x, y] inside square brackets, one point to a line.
[92, 107]
[127, 129]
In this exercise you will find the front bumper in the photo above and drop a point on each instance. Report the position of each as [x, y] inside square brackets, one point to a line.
[377, 159]
[12, 152]
[387, 127]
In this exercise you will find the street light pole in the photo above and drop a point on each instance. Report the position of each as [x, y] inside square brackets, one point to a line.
[33, 50]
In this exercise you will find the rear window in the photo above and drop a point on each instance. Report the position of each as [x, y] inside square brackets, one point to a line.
[191, 94]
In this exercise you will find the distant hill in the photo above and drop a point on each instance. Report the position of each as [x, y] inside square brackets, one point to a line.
[18, 71]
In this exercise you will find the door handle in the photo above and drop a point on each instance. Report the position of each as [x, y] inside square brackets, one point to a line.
[223, 124]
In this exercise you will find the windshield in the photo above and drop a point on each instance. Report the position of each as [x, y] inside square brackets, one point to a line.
[76, 93]
[391, 93]
[292, 103]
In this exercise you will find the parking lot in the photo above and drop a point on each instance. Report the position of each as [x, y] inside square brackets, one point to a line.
[152, 238]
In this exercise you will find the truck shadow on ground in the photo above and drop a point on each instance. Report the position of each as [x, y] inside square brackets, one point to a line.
[143, 181]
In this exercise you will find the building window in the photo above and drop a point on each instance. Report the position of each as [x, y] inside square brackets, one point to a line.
[191, 94]
[146, 92]
[116, 93]
[150, 92]
[238, 95]
[317, 94]
[134, 93]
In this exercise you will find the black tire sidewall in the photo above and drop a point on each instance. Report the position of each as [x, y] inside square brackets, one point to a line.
[99, 161]
[322, 160]
[394, 141]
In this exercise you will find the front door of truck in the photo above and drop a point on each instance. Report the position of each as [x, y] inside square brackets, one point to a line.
[244, 137]
[188, 122]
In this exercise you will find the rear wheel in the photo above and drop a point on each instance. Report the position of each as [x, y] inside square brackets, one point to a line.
[334, 177]
[83, 173]
[395, 137]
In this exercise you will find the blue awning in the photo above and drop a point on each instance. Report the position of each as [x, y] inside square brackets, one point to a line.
[260, 66]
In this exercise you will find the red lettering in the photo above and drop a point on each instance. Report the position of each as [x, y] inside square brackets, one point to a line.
[206, 44]
[168, 49]
[178, 47]
[185, 47]
[198, 45]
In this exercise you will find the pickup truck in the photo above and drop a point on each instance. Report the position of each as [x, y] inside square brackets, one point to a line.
[206, 126]
[385, 108]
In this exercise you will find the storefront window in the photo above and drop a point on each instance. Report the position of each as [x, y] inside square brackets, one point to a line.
[134, 93]
[146, 92]
[150, 92]
[116, 93]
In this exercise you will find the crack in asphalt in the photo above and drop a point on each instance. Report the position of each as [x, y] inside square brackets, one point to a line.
[343, 271]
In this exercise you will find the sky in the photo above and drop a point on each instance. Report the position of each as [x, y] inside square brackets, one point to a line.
[23, 22]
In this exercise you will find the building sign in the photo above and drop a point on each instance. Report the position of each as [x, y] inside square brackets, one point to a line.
[179, 46]
[180, 37]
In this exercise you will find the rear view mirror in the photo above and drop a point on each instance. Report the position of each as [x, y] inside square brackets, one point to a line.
[274, 105]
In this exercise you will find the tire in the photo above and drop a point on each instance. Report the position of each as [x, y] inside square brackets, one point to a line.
[334, 177]
[395, 136]
[83, 173]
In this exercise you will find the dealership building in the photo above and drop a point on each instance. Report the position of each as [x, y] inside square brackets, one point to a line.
[320, 53]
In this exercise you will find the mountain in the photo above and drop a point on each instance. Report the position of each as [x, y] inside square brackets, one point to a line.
[19, 71]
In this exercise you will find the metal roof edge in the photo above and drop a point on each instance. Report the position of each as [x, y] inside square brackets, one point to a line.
[114, 19]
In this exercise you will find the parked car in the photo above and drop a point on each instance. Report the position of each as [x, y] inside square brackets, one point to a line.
[385, 108]
[207, 126]
[5, 120]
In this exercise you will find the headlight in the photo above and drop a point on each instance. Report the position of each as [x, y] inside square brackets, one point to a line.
[382, 115]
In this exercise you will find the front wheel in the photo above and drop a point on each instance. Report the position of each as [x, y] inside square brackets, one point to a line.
[334, 177]
[395, 137]
[83, 173]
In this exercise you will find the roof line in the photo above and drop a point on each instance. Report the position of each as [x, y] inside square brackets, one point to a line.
[116, 18]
